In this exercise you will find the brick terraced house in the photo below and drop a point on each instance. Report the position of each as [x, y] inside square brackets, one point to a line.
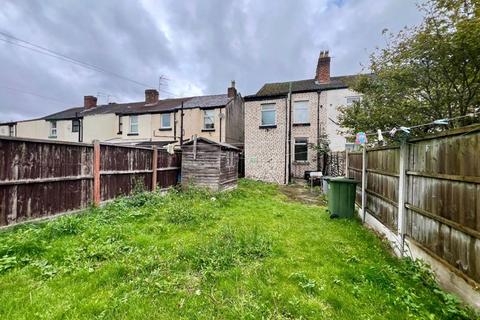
[283, 120]
[150, 122]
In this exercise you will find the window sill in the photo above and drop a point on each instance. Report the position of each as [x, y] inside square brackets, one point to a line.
[132, 134]
[301, 162]
[208, 130]
[165, 129]
[301, 124]
[270, 126]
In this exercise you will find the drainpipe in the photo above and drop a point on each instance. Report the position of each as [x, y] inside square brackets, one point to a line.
[286, 141]
[318, 130]
[174, 126]
[181, 125]
[220, 118]
[290, 133]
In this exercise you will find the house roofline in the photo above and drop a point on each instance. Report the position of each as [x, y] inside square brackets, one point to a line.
[283, 95]
[169, 110]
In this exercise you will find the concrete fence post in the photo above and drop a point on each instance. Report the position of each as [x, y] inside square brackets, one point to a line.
[154, 168]
[402, 194]
[364, 183]
[96, 173]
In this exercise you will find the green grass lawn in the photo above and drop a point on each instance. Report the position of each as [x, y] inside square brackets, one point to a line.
[247, 254]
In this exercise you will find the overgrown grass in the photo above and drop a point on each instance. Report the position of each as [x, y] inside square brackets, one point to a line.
[247, 254]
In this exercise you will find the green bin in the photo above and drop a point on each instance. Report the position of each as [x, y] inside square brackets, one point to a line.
[341, 197]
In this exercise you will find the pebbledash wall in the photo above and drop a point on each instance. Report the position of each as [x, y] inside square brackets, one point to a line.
[266, 149]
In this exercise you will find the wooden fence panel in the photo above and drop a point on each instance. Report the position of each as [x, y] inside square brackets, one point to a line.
[124, 168]
[40, 178]
[168, 168]
[354, 172]
[382, 185]
[443, 198]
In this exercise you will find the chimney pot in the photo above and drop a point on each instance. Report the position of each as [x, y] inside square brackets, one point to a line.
[151, 96]
[323, 68]
[232, 91]
[89, 102]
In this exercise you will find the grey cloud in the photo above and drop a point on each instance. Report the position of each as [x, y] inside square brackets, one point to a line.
[199, 45]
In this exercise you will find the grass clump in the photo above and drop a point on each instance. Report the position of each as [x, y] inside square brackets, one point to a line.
[193, 254]
[228, 248]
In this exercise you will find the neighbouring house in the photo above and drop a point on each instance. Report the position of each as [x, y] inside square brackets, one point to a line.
[283, 120]
[210, 164]
[151, 122]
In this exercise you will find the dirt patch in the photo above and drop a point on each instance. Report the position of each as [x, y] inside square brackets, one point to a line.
[302, 193]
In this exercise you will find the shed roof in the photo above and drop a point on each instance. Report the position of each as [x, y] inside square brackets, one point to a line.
[220, 144]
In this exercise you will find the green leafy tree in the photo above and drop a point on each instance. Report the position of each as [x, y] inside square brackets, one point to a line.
[427, 72]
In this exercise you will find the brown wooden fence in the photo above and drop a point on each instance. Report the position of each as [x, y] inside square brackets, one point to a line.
[440, 209]
[41, 178]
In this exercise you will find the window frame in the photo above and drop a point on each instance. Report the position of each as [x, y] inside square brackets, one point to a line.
[77, 121]
[264, 110]
[162, 115]
[211, 117]
[353, 100]
[131, 124]
[120, 125]
[11, 130]
[296, 105]
[300, 141]
[53, 129]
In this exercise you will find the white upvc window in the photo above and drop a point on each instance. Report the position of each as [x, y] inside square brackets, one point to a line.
[269, 114]
[301, 149]
[209, 119]
[165, 121]
[134, 124]
[75, 125]
[301, 114]
[351, 100]
[53, 129]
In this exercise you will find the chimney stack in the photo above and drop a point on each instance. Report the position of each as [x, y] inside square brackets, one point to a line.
[151, 96]
[89, 102]
[323, 68]
[232, 91]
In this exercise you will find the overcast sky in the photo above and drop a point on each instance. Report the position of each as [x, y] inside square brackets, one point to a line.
[198, 45]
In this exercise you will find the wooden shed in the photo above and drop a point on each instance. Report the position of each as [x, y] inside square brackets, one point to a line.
[206, 163]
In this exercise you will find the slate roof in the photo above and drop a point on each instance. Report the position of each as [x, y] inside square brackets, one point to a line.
[308, 85]
[165, 105]
[71, 113]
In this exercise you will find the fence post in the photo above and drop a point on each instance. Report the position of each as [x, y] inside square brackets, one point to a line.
[154, 168]
[96, 172]
[346, 163]
[401, 195]
[364, 182]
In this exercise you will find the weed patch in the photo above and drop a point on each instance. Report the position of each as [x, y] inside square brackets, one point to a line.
[227, 249]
